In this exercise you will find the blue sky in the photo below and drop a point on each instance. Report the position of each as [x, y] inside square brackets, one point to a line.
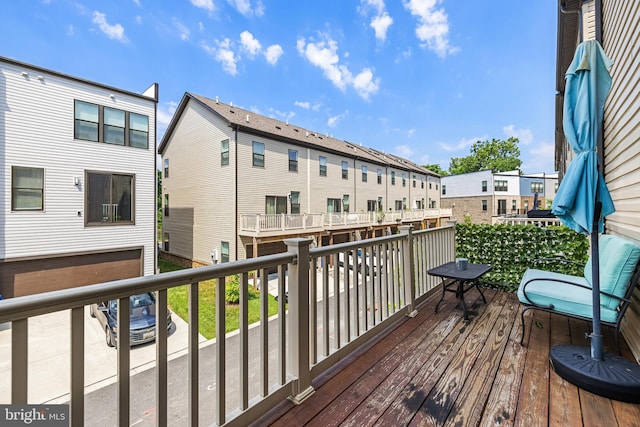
[423, 79]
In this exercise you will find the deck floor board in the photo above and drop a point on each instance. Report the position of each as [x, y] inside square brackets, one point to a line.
[436, 369]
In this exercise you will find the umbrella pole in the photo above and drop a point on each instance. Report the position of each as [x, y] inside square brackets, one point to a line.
[596, 335]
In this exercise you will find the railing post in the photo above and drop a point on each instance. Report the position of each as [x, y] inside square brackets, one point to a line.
[408, 275]
[299, 325]
[257, 223]
[284, 222]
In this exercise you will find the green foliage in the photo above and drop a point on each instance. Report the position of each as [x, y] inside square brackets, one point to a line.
[232, 290]
[495, 155]
[511, 249]
[467, 219]
[437, 169]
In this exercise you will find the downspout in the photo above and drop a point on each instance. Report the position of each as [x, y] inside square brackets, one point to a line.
[155, 179]
[578, 11]
[355, 182]
[237, 232]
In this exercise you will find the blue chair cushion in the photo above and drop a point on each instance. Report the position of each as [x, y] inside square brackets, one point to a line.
[565, 298]
[618, 258]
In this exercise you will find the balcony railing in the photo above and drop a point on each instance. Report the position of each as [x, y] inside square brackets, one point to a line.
[356, 290]
[259, 223]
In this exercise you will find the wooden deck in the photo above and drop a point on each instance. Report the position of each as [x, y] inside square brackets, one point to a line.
[438, 370]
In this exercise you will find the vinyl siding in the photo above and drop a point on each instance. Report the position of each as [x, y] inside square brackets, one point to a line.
[36, 130]
[201, 191]
[622, 136]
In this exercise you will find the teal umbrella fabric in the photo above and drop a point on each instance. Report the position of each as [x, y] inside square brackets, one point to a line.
[587, 85]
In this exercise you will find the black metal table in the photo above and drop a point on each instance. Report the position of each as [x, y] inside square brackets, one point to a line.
[464, 280]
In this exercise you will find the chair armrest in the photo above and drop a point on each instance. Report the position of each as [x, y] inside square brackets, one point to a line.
[550, 306]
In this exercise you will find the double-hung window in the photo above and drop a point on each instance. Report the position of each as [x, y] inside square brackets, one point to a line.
[224, 252]
[166, 205]
[345, 202]
[537, 187]
[224, 152]
[323, 166]
[27, 189]
[87, 121]
[138, 130]
[364, 173]
[166, 168]
[501, 185]
[293, 160]
[379, 176]
[345, 170]
[113, 126]
[94, 122]
[295, 202]
[484, 186]
[404, 179]
[110, 198]
[258, 154]
[393, 178]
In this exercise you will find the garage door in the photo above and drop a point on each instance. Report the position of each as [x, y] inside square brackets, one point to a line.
[42, 275]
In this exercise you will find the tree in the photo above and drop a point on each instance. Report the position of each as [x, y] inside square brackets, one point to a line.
[495, 155]
[437, 169]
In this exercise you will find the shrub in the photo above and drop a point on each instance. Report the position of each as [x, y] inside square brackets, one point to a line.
[511, 249]
[232, 290]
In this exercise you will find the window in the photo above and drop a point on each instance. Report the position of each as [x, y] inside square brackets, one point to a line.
[364, 173]
[526, 205]
[323, 166]
[345, 202]
[258, 154]
[379, 176]
[295, 202]
[537, 187]
[502, 207]
[393, 178]
[224, 252]
[418, 204]
[444, 190]
[165, 242]
[345, 170]
[293, 160]
[86, 121]
[404, 179]
[380, 203]
[398, 205]
[484, 205]
[436, 186]
[224, 152]
[110, 198]
[430, 186]
[501, 185]
[422, 182]
[404, 203]
[275, 205]
[333, 205]
[138, 130]
[166, 168]
[27, 189]
[414, 181]
[433, 204]
[113, 126]
[372, 205]
[166, 205]
[484, 186]
[109, 125]
[513, 205]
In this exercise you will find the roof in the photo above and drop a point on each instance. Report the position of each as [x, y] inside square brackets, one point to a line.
[253, 123]
[152, 89]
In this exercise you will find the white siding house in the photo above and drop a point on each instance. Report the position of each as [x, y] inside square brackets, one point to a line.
[228, 167]
[78, 181]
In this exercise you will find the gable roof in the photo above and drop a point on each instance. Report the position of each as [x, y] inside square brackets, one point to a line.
[249, 122]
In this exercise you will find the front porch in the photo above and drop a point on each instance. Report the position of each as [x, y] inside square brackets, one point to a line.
[438, 370]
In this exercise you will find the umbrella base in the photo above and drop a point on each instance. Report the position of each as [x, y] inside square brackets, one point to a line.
[614, 377]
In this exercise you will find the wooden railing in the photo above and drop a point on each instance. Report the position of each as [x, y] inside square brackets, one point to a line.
[257, 223]
[337, 298]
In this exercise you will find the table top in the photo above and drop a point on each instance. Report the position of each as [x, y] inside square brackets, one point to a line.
[450, 271]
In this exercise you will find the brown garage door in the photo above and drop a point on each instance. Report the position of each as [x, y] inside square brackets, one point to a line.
[42, 275]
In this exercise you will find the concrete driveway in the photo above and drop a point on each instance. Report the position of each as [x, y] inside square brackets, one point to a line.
[49, 357]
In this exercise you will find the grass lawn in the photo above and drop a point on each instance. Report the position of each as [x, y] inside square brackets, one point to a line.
[178, 302]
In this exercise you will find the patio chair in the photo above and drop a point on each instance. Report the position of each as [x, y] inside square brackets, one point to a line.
[571, 295]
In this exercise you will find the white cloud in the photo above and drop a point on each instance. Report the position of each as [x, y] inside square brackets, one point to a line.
[464, 143]
[164, 115]
[182, 29]
[324, 55]
[273, 53]
[114, 32]
[137, 2]
[70, 30]
[139, 20]
[333, 121]
[306, 105]
[403, 151]
[380, 25]
[245, 8]
[433, 26]
[200, 26]
[539, 158]
[223, 54]
[282, 115]
[524, 135]
[249, 44]
[204, 4]
[410, 132]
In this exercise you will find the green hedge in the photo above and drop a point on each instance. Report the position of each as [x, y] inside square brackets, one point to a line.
[511, 249]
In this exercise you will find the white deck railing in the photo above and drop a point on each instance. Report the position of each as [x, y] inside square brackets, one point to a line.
[539, 222]
[356, 290]
[257, 223]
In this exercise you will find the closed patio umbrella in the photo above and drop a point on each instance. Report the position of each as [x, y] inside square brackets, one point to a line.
[581, 203]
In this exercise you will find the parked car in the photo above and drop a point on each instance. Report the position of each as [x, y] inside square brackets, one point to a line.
[142, 325]
[369, 262]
